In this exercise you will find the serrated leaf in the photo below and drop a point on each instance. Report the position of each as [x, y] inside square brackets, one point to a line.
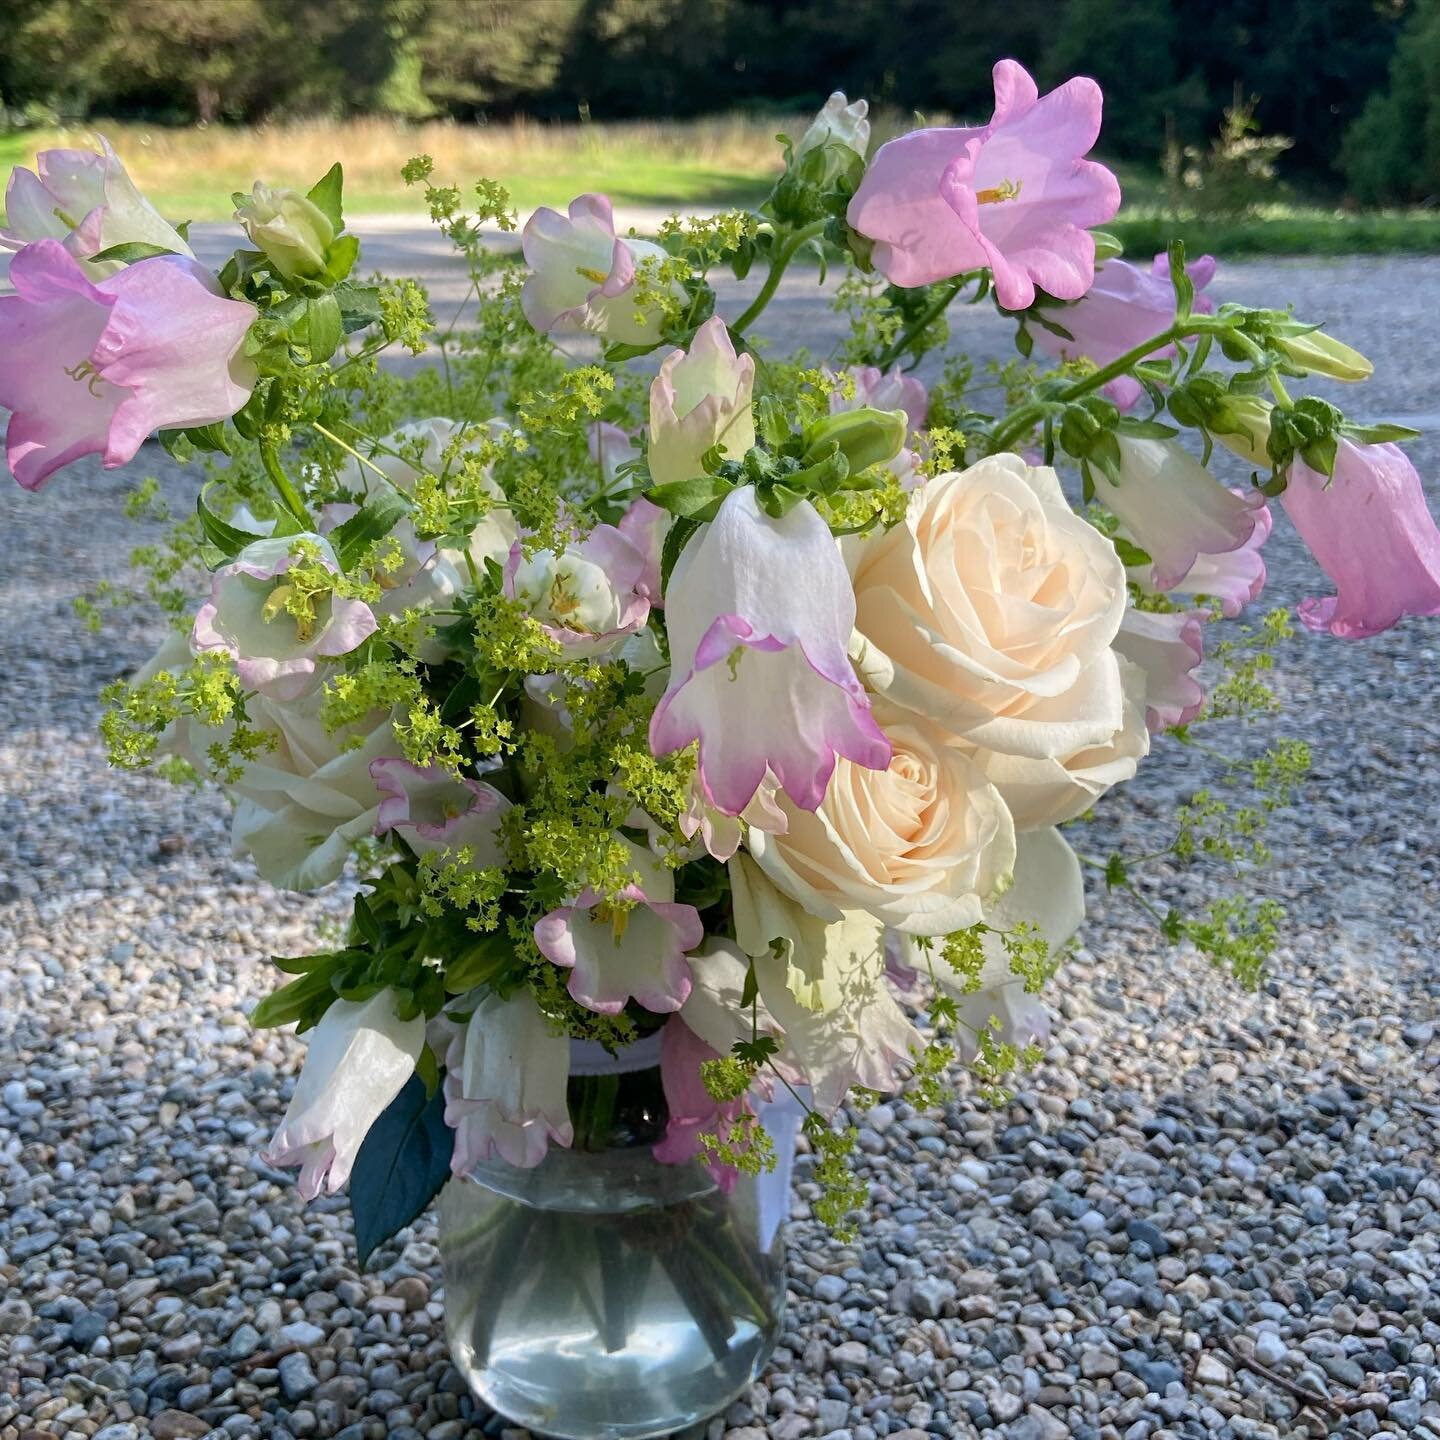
[130, 251]
[402, 1163]
[675, 541]
[359, 306]
[327, 194]
[382, 511]
[226, 538]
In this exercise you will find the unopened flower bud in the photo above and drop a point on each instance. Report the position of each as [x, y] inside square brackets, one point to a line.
[838, 121]
[865, 437]
[290, 228]
[1320, 354]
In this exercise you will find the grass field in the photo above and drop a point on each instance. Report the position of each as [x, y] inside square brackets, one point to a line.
[706, 163]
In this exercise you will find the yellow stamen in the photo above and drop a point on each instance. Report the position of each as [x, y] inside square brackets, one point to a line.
[89, 374]
[595, 277]
[615, 917]
[997, 194]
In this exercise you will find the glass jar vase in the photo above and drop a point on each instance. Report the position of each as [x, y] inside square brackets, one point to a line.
[604, 1295]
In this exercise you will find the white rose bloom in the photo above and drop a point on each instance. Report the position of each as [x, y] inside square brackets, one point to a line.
[918, 845]
[360, 1056]
[991, 610]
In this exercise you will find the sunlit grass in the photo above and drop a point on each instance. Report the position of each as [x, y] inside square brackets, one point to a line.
[726, 160]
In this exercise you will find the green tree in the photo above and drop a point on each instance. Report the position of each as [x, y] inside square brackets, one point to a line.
[1392, 152]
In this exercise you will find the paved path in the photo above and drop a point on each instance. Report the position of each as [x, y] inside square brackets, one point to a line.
[1204, 1206]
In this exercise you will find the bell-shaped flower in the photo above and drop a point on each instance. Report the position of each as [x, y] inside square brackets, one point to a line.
[721, 834]
[88, 203]
[94, 369]
[1234, 578]
[289, 227]
[275, 631]
[692, 1110]
[645, 526]
[1175, 509]
[359, 1058]
[634, 949]
[1370, 530]
[610, 447]
[583, 274]
[506, 1073]
[701, 398]
[840, 122]
[1167, 649]
[759, 613]
[1124, 308]
[1015, 196]
[432, 809]
[588, 597]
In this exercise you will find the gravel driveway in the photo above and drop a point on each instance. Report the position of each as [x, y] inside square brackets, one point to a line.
[1208, 1212]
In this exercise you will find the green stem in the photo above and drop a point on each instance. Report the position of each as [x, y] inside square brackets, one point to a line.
[783, 256]
[334, 439]
[289, 496]
[922, 324]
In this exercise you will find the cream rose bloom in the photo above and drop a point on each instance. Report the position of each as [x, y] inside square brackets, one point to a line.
[991, 609]
[918, 845]
[1044, 792]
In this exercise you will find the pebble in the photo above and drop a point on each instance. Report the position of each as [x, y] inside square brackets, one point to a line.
[1190, 1159]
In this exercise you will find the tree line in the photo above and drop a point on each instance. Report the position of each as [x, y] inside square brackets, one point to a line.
[1352, 82]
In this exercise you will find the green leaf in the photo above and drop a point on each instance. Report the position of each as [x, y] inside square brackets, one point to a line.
[323, 327]
[302, 1001]
[675, 542]
[1184, 287]
[618, 351]
[131, 251]
[326, 193]
[226, 538]
[340, 258]
[1381, 434]
[402, 1163]
[697, 499]
[359, 306]
[1130, 554]
[376, 518]
[1145, 429]
[478, 964]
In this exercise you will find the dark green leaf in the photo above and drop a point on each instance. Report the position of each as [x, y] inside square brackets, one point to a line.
[696, 498]
[478, 964]
[303, 1000]
[675, 542]
[403, 1162]
[1184, 287]
[1145, 429]
[383, 509]
[1130, 554]
[618, 351]
[326, 194]
[359, 306]
[1381, 434]
[226, 538]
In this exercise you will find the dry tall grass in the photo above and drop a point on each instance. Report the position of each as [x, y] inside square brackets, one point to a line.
[191, 172]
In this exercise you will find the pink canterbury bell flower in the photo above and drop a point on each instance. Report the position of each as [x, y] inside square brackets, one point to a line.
[93, 369]
[1123, 308]
[1167, 648]
[1372, 534]
[88, 203]
[1234, 577]
[759, 613]
[1015, 196]
[614, 955]
[435, 810]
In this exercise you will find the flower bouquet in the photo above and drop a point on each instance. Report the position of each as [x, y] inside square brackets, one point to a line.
[697, 739]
